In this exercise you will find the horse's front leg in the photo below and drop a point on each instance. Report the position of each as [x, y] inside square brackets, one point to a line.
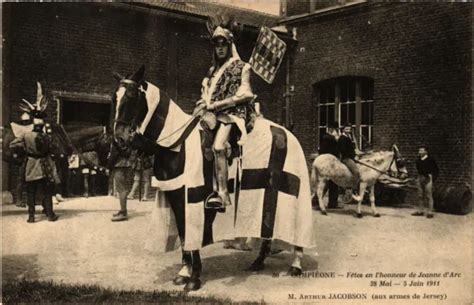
[372, 201]
[186, 268]
[194, 281]
[295, 269]
[258, 263]
[363, 186]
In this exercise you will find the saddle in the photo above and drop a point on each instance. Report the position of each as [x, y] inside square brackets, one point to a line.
[209, 124]
[232, 147]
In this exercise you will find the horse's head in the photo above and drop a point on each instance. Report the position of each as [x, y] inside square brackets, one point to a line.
[129, 106]
[397, 166]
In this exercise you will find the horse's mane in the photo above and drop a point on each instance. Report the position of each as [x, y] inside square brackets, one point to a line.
[375, 157]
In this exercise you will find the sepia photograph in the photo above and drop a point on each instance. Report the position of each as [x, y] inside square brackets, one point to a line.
[237, 152]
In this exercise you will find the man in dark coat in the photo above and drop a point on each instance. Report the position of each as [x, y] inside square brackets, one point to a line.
[427, 173]
[328, 145]
[346, 145]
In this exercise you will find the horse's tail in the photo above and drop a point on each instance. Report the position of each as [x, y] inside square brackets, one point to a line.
[313, 179]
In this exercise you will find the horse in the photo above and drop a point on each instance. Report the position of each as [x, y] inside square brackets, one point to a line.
[372, 167]
[148, 120]
[65, 140]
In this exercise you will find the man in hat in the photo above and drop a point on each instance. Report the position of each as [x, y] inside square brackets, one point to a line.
[38, 173]
[347, 148]
[227, 95]
[328, 145]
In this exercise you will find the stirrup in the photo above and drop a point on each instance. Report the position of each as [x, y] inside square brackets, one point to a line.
[214, 202]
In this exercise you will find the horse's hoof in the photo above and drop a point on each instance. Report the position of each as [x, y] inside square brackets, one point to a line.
[256, 267]
[180, 280]
[193, 285]
[324, 213]
[294, 271]
[359, 215]
[376, 215]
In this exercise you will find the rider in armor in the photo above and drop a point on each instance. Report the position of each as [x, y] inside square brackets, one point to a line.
[227, 94]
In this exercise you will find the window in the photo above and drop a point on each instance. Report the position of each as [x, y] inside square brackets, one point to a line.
[84, 113]
[327, 105]
[347, 99]
[81, 109]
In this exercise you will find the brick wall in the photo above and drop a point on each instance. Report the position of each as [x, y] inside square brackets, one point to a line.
[296, 7]
[75, 47]
[419, 55]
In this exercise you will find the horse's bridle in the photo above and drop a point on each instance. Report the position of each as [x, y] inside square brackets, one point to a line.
[191, 123]
[388, 172]
[131, 122]
[398, 164]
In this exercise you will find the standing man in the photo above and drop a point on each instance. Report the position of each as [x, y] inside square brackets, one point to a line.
[328, 145]
[346, 145]
[227, 96]
[427, 173]
[89, 172]
[38, 172]
[119, 165]
[142, 174]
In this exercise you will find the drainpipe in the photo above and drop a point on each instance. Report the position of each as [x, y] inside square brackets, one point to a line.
[287, 93]
[288, 88]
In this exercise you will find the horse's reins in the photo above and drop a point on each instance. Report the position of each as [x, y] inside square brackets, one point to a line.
[387, 172]
[77, 152]
[190, 123]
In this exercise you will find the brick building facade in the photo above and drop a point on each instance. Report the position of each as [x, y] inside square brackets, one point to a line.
[73, 48]
[401, 73]
[401, 70]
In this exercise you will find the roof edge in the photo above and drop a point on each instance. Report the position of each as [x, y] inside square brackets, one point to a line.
[324, 12]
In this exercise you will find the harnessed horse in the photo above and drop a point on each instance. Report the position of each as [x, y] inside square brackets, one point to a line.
[134, 109]
[373, 166]
[65, 141]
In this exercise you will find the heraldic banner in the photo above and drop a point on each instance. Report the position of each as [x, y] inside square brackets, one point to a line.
[267, 54]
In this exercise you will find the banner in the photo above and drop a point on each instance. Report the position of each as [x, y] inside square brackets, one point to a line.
[267, 54]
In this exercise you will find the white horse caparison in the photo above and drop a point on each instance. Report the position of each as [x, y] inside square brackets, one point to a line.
[131, 110]
[371, 167]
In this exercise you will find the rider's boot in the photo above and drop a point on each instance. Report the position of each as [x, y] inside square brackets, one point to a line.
[222, 177]
[222, 199]
[356, 177]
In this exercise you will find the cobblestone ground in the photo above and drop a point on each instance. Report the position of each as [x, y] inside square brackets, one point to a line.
[84, 246]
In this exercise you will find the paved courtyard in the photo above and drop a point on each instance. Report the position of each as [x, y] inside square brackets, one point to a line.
[84, 246]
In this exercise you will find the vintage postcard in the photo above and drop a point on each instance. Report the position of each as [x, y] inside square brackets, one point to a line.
[237, 152]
